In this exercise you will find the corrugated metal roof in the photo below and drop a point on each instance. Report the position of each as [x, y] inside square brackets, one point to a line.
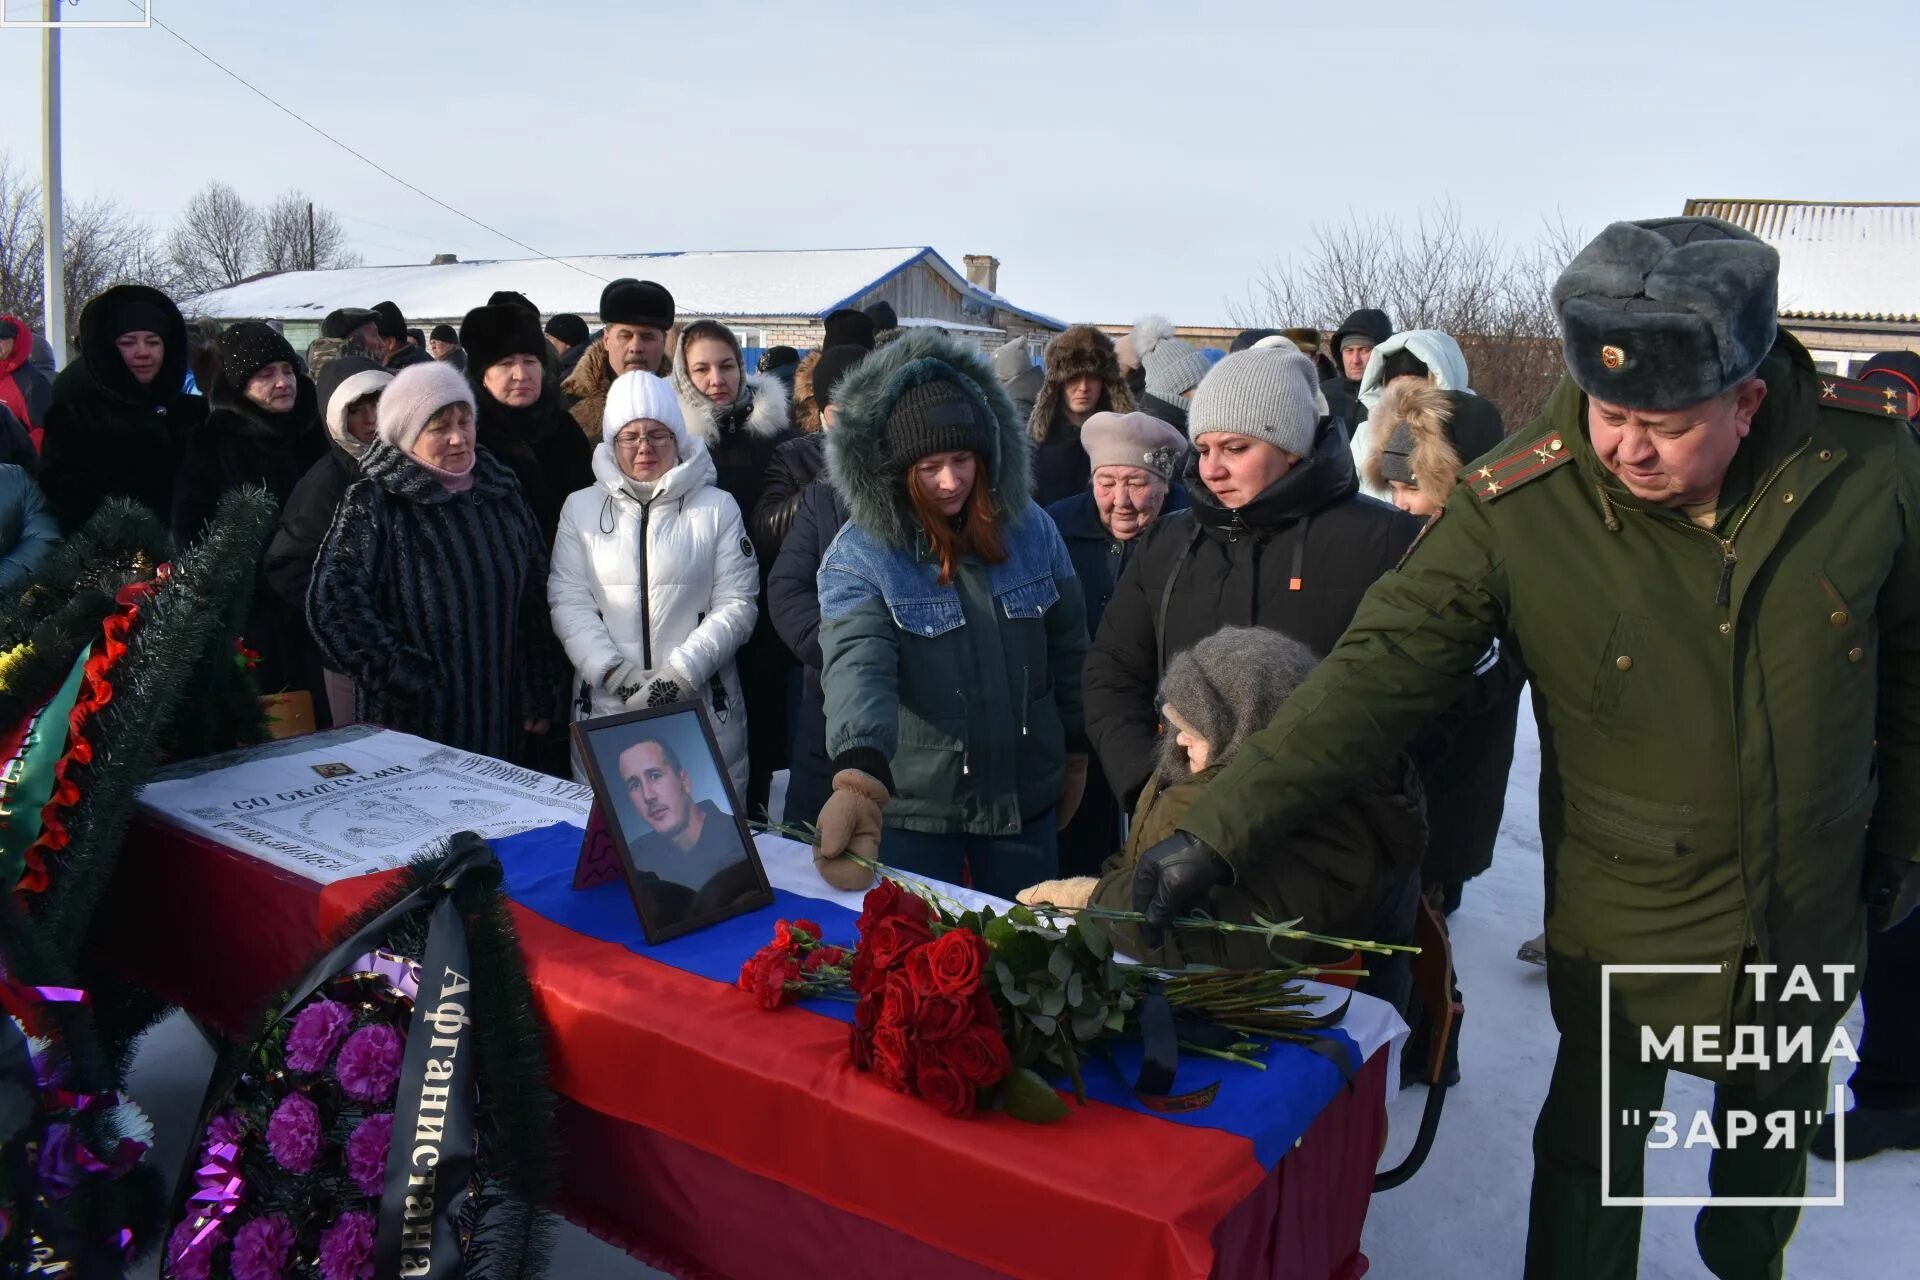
[798, 282]
[1838, 260]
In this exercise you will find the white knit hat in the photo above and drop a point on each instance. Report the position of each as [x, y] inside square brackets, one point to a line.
[416, 393]
[638, 395]
[1269, 395]
[368, 382]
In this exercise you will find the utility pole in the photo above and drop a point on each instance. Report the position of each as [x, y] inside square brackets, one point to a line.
[53, 278]
[313, 247]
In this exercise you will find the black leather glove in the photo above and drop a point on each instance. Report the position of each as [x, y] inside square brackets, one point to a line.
[1893, 891]
[1173, 878]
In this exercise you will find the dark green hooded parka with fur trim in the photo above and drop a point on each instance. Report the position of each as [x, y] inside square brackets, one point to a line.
[964, 699]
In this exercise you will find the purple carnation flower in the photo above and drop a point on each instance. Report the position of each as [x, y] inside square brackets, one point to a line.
[226, 1127]
[346, 1248]
[369, 1063]
[262, 1249]
[191, 1264]
[367, 1153]
[293, 1135]
[60, 1171]
[315, 1032]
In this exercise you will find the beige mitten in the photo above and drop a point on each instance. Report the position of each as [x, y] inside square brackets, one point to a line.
[1076, 891]
[849, 823]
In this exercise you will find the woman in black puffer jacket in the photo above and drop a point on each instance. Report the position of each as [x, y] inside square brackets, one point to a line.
[1277, 536]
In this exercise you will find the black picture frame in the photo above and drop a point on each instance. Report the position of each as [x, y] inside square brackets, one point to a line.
[668, 908]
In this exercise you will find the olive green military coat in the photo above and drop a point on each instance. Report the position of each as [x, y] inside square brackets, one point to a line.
[1729, 718]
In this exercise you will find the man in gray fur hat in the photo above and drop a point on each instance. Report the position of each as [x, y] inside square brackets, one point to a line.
[1709, 554]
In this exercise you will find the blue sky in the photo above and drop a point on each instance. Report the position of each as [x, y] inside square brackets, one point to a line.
[1117, 157]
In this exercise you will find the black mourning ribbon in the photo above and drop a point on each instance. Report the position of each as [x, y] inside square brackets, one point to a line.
[1164, 1027]
[430, 1163]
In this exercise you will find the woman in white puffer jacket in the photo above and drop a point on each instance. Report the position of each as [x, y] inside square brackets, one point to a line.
[654, 587]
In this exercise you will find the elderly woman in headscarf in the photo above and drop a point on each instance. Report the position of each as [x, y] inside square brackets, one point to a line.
[349, 394]
[655, 586]
[1352, 872]
[428, 592]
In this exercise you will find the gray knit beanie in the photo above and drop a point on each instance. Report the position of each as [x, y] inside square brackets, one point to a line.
[1228, 687]
[1011, 360]
[1267, 394]
[1173, 368]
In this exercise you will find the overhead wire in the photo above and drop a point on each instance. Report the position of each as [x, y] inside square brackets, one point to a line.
[366, 160]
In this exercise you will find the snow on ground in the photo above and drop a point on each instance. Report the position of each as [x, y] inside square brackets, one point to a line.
[1464, 1215]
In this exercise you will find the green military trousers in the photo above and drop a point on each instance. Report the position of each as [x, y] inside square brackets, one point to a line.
[1571, 1237]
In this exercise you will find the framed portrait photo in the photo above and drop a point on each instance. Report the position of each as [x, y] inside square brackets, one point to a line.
[669, 810]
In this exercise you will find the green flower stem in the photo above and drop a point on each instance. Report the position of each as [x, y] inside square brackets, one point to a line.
[1223, 1055]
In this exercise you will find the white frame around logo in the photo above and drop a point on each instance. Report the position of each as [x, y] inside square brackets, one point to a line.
[41, 24]
[1610, 1201]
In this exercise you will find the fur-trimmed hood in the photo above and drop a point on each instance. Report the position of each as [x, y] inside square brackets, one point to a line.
[806, 410]
[1446, 430]
[767, 411]
[1081, 349]
[875, 495]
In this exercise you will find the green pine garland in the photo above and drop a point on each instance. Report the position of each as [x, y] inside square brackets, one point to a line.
[121, 543]
[180, 626]
[53, 646]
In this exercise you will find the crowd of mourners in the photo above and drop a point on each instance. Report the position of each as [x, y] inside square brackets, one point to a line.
[945, 589]
[1008, 617]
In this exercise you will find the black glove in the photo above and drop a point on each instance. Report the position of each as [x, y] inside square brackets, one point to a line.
[1893, 891]
[1173, 878]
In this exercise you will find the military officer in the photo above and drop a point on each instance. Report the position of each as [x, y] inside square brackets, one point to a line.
[1707, 555]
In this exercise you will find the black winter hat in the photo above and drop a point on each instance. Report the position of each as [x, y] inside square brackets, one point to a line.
[1402, 364]
[417, 337]
[883, 317]
[490, 334]
[445, 333]
[638, 302]
[508, 298]
[939, 416]
[568, 327]
[1897, 371]
[343, 321]
[249, 347]
[1370, 323]
[136, 314]
[834, 364]
[392, 323]
[1668, 312]
[1250, 336]
[847, 328]
[778, 358]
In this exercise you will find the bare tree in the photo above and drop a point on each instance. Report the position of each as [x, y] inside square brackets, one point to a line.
[104, 246]
[298, 235]
[217, 240]
[20, 266]
[1490, 294]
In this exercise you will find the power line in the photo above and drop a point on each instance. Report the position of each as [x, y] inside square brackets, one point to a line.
[373, 164]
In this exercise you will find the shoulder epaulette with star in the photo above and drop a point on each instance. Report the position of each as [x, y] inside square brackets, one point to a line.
[1503, 475]
[1849, 393]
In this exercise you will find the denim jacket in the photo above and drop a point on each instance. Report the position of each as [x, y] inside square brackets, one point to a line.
[970, 691]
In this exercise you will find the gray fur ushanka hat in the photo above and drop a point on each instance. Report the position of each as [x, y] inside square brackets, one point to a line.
[1668, 312]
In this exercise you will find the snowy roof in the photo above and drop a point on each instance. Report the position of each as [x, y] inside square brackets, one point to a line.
[1838, 261]
[778, 282]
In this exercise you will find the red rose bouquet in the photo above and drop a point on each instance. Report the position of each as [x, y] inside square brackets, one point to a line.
[968, 1008]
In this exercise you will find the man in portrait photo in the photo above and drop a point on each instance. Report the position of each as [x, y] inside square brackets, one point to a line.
[688, 852]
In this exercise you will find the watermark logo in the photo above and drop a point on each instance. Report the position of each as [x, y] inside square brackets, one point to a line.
[1752, 1046]
[74, 14]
